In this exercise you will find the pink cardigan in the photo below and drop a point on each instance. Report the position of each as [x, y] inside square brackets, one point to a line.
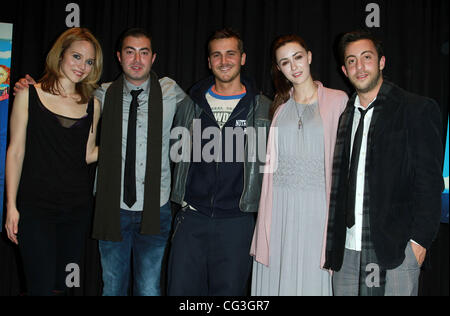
[331, 105]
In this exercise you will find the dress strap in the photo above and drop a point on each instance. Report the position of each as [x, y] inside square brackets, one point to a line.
[90, 108]
[90, 111]
[32, 95]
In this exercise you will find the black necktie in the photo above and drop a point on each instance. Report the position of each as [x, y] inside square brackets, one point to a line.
[129, 184]
[353, 171]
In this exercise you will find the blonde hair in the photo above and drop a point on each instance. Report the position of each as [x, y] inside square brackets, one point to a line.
[50, 81]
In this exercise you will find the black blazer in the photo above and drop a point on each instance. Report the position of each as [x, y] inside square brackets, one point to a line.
[405, 177]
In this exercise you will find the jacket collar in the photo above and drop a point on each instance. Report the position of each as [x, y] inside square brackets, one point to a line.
[199, 90]
[198, 93]
[388, 99]
[384, 94]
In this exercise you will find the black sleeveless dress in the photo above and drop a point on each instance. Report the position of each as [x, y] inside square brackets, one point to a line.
[55, 174]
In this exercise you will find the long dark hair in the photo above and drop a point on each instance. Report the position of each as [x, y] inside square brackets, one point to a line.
[282, 85]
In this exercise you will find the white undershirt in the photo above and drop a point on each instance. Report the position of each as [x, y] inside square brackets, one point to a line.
[354, 234]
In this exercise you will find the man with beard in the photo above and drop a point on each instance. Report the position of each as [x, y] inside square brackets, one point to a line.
[213, 230]
[387, 181]
[133, 216]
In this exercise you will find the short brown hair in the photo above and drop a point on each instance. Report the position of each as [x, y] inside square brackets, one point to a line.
[134, 32]
[50, 81]
[226, 33]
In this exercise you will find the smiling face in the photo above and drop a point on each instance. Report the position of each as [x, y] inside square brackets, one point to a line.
[136, 58]
[294, 62]
[362, 66]
[77, 61]
[225, 59]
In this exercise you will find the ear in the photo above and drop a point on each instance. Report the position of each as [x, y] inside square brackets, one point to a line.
[209, 63]
[309, 57]
[344, 70]
[153, 58]
[382, 63]
[243, 59]
[118, 57]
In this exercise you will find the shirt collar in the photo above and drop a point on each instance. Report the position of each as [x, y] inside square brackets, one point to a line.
[358, 103]
[128, 87]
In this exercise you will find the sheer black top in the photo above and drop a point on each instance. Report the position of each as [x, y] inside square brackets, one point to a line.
[55, 174]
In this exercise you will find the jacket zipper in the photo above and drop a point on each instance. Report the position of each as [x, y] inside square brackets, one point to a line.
[252, 112]
[215, 189]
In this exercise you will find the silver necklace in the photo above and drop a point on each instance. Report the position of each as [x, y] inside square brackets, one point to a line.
[300, 116]
[300, 122]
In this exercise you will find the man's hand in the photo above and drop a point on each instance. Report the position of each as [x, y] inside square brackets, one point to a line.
[23, 84]
[419, 252]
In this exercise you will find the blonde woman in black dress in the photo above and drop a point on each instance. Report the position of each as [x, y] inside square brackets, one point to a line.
[52, 140]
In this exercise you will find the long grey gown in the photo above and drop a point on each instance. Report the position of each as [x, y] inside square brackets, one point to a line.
[299, 209]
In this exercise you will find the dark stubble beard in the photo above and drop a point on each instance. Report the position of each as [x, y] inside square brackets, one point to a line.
[231, 79]
[372, 84]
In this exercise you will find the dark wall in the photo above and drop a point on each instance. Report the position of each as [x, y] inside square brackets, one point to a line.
[415, 34]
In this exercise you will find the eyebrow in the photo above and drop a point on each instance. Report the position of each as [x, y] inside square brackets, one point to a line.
[139, 49]
[364, 52]
[73, 51]
[286, 58]
[228, 51]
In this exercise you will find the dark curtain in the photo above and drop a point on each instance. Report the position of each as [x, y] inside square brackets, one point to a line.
[415, 35]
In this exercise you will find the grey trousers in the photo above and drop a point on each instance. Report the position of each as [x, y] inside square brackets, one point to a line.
[401, 281]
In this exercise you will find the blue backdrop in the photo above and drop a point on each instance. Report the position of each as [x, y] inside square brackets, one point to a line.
[5, 60]
[3, 130]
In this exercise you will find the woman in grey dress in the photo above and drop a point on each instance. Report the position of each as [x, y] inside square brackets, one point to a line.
[294, 203]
